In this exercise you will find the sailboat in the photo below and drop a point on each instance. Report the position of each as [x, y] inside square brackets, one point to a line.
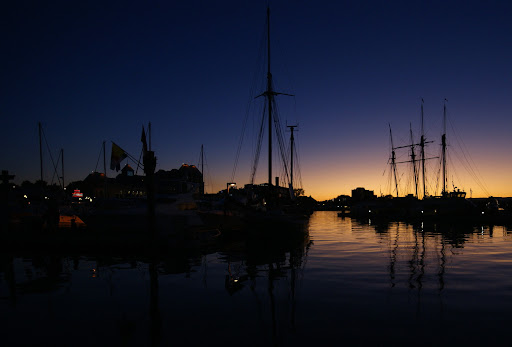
[260, 206]
[420, 205]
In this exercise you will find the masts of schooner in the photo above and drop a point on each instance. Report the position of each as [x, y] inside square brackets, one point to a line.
[414, 160]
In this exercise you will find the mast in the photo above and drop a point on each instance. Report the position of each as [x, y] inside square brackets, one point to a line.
[62, 164]
[105, 195]
[443, 146]
[413, 160]
[422, 146]
[202, 170]
[104, 161]
[149, 130]
[292, 127]
[269, 96]
[41, 152]
[393, 159]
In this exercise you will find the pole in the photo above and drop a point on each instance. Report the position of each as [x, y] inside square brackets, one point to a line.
[269, 96]
[41, 152]
[413, 159]
[105, 187]
[443, 144]
[202, 170]
[393, 159]
[62, 162]
[292, 140]
[422, 144]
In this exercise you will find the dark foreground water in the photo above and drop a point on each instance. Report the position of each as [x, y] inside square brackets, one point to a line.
[346, 283]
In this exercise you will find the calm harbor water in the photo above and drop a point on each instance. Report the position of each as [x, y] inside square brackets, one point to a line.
[347, 282]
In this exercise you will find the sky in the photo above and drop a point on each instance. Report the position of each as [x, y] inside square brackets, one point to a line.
[98, 71]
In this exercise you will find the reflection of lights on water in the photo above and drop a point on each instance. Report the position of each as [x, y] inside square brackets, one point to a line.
[94, 273]
[369, 222]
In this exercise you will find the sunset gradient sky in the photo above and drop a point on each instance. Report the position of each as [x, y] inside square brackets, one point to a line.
[95, 71]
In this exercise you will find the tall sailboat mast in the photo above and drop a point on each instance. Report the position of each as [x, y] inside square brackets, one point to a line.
[202, 170]
[413, 160]
[393, 159]
[62, 164]
[41, 151]
[292, 139]
[422, 146]
[270, 95]
[443, 145]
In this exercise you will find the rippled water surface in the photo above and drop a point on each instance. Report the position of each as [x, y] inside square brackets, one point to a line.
[346, 282]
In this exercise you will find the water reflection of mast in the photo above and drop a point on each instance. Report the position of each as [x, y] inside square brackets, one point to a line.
[394, 252]
[421, 269]
[413, 261]
[442, 264]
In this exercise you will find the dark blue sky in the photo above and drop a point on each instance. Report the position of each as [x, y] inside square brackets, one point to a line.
[95, 71]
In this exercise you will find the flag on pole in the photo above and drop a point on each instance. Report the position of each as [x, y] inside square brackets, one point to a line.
[117, 156]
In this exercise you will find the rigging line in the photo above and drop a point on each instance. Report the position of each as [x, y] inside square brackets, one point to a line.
[454, 172]
[138, 162]
[280, 140]
[55, 172]
[99, 156]
[207, 170]
[475, 174]
[258, 147]
[50, 153]
[298, 166]
[258, 71]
